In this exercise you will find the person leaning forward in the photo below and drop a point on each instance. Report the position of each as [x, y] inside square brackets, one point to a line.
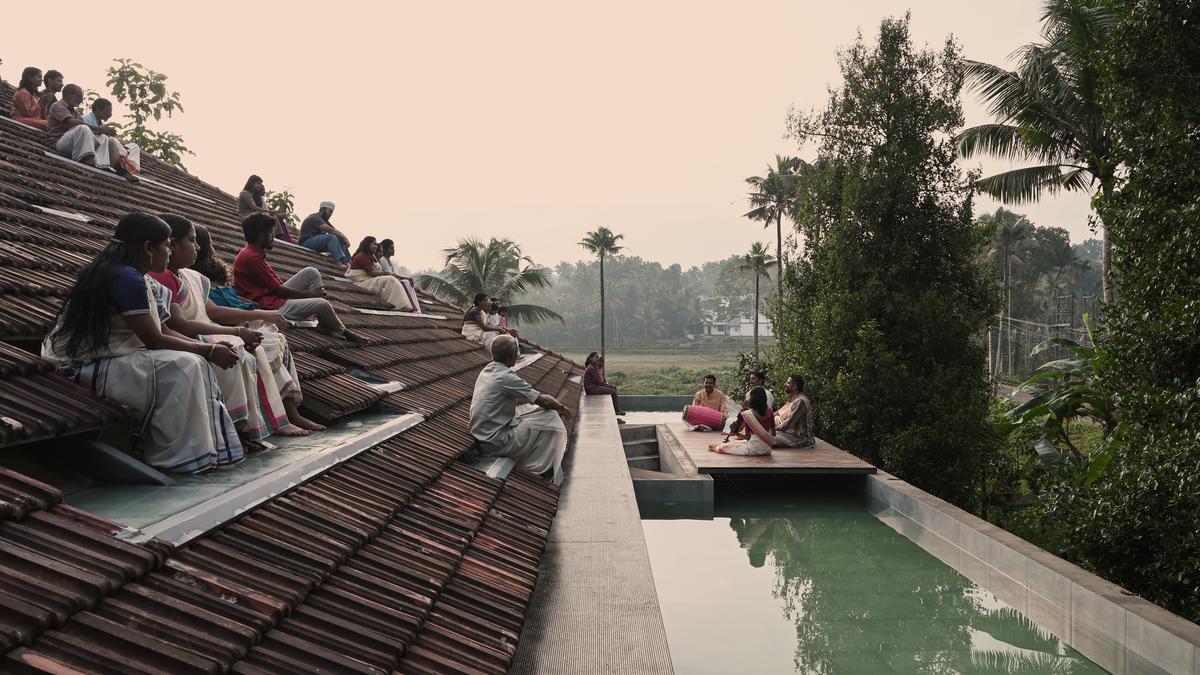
[536, 439]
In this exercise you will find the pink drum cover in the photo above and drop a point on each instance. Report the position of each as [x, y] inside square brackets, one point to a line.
[698, 414]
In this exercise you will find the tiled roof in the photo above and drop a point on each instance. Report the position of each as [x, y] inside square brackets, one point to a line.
[401, 557]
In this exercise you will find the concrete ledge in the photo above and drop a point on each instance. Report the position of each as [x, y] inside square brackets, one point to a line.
[595, 609]
[1117, 630]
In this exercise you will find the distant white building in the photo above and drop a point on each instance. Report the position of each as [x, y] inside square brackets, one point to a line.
[739, 327]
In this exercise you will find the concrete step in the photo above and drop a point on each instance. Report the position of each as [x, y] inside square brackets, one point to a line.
[644, 462]
[635, 448]
[638, 432]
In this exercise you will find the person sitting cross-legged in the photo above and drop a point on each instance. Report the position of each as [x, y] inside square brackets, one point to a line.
[707, 401]
[298, 298]
[318, 234]
[793, 422]
[26, 103]
[365, 271]
[594, 383]
[756, 434]
[109, 337]
[536, 439]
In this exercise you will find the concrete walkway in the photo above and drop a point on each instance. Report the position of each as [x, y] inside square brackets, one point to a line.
[595, 609]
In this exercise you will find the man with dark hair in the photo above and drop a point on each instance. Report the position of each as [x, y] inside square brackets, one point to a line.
[475, 326]
[54, 84]
[317, 234]
[793, 422]
[535, 438]
[99, 116]
[710, 396]
[759, 379]
[75, 139]
[298, 298]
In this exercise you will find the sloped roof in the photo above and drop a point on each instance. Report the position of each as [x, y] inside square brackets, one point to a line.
[400, 557]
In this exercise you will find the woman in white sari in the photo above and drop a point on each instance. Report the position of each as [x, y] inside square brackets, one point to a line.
[364, 270]
[756, 436]
[263, 390]
[109, 337]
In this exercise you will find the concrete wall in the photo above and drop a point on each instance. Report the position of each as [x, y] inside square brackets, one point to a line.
[1118, 630]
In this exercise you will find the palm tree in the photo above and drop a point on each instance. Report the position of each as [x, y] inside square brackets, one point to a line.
[1048, 111]
[1008, 230]
[773, 198]
[496, 268]
[758, 262]
[602, 243]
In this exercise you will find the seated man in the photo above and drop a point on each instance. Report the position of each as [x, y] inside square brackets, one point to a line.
[709, 398]
[298, 298]
[26, 105]
[318, 235]
[73, 138]
[54, 84]
[102, 112]
[475, 326]
[537, 439]
[759, 379]
[793, 422]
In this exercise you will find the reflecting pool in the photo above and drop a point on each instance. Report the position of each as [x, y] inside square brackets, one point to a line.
[812, 583]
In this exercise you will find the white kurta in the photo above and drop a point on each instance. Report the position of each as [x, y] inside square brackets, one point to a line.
[536, 439]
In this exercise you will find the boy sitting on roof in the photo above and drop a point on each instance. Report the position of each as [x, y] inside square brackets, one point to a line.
[317, 234]
[54, 84]
[536, 439]
[26, 106]
[102, 112]
[298, 298]
[87, 144]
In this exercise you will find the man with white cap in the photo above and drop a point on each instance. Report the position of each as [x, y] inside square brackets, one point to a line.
[318, 234]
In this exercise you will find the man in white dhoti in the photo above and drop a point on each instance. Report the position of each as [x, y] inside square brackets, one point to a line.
[101, 113]
[75, 139]
[535, 438]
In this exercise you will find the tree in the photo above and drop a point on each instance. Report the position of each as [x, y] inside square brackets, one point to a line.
[496, 268]
[773, 198]
[882, 313]
[758, 263]
[1048, 111]
[602, 243]
[284, 203]
[1008, 230]
[144, 92]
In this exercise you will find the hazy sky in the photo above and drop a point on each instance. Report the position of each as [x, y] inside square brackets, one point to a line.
[537, 121]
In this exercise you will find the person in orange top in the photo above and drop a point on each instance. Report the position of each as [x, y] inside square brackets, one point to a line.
[26, 107]
[710, 396]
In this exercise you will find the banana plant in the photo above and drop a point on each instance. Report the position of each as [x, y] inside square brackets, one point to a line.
[1064, 391]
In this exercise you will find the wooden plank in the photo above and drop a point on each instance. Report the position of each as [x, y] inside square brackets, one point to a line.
[823, 459]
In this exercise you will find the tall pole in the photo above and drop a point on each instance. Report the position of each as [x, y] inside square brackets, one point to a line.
[756, 278]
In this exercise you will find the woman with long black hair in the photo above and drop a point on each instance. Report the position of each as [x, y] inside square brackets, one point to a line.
[110, 337]
[26, 102]
[757, 433]
[364, 270]
[250, 202]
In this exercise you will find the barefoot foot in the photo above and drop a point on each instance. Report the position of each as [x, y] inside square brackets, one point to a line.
[293, 430]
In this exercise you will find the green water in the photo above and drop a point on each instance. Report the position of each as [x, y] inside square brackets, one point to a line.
[787, 584]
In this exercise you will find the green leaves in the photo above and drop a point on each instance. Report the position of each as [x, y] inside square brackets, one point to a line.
[497, 268]
[145, 95]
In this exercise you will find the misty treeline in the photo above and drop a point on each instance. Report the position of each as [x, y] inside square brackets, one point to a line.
[647, 302]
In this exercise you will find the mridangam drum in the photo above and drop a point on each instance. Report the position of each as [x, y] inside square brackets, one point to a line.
[696, 415]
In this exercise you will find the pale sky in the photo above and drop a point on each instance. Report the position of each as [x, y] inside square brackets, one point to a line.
[537, 121]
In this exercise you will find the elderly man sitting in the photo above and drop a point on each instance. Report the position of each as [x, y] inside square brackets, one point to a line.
[75, 139]
[535, 439]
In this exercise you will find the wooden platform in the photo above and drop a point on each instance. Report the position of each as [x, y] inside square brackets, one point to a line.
[823, 459]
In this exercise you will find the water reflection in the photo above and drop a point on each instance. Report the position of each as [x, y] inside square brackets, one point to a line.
[858, 597]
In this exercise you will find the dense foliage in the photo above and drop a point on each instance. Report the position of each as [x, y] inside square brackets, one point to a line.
[144, 93]
[884, 311]
[495, 267]
[1136, 525]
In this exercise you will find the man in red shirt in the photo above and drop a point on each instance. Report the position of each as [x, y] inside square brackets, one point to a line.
[298, 298]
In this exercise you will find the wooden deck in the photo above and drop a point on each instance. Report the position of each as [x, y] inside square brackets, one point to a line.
[823, 459]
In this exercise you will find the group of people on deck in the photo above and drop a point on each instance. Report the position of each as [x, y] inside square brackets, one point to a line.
[371, 264]
[153, 323]
[85, 138]
[758, 426]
